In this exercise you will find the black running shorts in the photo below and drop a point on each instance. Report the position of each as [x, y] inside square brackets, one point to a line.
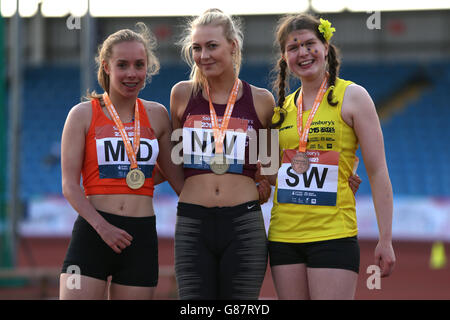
[136, 265]
[336, 254]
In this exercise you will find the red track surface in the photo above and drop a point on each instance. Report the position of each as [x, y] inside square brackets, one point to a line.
[412, 278]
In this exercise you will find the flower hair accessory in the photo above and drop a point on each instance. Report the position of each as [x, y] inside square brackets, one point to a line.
[326, 29]
[276, 114]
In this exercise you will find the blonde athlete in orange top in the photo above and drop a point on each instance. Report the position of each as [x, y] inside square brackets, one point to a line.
[115, 232]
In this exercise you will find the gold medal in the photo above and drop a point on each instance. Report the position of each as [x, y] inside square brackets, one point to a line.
[218, 164]
[135, 179]
[300, 162]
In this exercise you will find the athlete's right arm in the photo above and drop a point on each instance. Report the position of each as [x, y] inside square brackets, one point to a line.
[72, 156]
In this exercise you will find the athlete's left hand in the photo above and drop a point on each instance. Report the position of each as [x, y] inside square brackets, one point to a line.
[264, 187]
[354, 181]
[385, 257]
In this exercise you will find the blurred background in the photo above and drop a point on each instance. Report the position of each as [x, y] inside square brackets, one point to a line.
[400, 52]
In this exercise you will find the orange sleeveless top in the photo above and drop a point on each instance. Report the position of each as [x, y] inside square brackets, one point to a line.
[106, 162]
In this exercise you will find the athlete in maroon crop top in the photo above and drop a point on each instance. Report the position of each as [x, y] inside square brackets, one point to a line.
[244, 110]
[220, 239]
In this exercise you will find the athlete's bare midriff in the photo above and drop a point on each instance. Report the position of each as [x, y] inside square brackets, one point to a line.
[211, 190]
[130, 205]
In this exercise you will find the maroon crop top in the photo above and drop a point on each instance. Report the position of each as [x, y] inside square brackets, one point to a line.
[198, 140]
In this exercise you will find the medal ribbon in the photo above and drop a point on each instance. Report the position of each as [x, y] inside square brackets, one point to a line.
[304, 134]
[132, 150]
[219, 131]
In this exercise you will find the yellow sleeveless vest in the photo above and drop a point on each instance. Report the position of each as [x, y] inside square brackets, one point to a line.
[319, 204]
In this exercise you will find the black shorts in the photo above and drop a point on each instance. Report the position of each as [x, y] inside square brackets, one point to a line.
[336, 254]
[137, 265]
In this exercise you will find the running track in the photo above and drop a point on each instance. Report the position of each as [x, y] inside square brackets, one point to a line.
[412, 277]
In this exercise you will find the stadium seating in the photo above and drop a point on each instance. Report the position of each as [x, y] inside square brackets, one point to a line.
[416, 139]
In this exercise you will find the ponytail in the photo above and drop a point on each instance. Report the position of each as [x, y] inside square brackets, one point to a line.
[280, 86]
[333, 70]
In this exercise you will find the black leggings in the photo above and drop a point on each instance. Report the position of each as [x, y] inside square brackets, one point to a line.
[220, 252]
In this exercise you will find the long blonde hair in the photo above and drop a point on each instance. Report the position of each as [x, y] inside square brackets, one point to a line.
[143, 35]
[232, 32]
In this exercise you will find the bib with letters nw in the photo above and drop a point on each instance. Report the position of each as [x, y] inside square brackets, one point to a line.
[199, 146]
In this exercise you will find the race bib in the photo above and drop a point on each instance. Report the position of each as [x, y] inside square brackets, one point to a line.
[113, 162]
[199, 145]
[317, 186]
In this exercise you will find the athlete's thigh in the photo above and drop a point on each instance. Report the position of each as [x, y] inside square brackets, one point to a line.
[291, 281]
[331, 284]
[196, 266]
[333, 267]
[79, 287]
[243, 263]
[121, 292]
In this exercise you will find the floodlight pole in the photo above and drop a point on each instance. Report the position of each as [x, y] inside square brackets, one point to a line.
[15, 125]
[87, 65]
[5, 236]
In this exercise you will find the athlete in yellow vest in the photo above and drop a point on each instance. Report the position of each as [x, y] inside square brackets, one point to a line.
[314, 253]
[328, 210]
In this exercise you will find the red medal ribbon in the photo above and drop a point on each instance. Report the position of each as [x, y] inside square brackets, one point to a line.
[219, 131]
[132, 150]
[303, 134]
